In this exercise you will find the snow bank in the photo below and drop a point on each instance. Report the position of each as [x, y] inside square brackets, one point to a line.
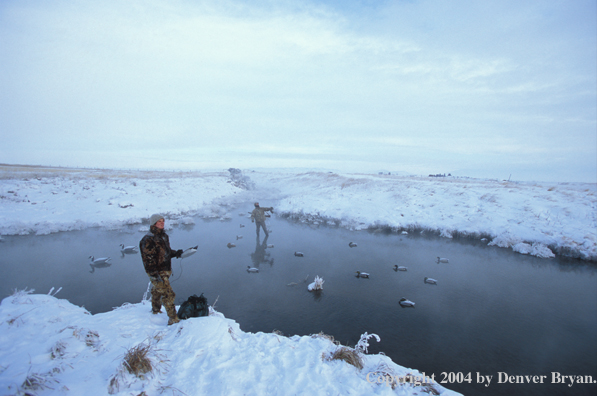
[531, 218]
[49, 346]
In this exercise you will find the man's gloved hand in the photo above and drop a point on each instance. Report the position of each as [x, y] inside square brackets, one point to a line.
[178, 253]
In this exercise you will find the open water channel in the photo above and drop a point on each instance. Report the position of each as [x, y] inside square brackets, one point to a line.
[492, 311]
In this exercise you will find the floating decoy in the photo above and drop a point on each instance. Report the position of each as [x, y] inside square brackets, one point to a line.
[128, 249]
[242, 225]
[230, 245]
[362, 274]
[430, 280]
[239, 237]
[270, 246]
[298, 254]
[189, 252]
[406, 303]
[101, 260]
[352, 244]
[442, 260]
[316, 285]
[399, 268]
[249, 269]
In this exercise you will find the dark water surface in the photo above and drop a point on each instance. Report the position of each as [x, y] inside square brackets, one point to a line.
[492, 310]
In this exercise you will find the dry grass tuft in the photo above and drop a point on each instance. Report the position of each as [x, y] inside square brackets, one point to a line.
[136, 360]
[36, 382]
[326, 337]
[90, 337]
[175, 391]
[429, 389]
[58, 350]
[349, 355]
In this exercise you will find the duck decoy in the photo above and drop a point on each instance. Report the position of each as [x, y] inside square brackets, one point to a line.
[270, 246]
[430, 280]
[242, 225]
[128, 249]
[230, 245]
[406, 303]
[352, 244]
[362, 274]
[442, 260]
[189, 252]
[101, 260]
[239, 237]
[316, 285]
[399, 268]
[249, 269]
[298, 254]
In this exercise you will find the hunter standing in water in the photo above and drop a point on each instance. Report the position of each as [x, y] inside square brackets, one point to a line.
[258, 217]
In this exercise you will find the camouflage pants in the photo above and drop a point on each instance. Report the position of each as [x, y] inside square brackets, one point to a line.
[261, 224]
[162, 294]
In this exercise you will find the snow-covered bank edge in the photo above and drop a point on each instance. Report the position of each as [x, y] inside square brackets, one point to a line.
[48, 344]
[530, 218]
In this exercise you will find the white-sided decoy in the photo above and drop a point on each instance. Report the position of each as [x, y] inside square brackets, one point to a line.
[189, 252]
[406, 303]
[430, 280]
[270, 246]
[101, 260]
[316, 285]
[298, 254]
[249, 269]
[128, 249]
[442, 260]
[352, 244]
[230, 245]
[399, 268]
[362, 274]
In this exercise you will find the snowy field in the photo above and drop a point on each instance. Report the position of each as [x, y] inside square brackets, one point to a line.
[49, 346]
[541, 219]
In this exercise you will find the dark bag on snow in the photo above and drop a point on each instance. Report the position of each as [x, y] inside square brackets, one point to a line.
[194, 307]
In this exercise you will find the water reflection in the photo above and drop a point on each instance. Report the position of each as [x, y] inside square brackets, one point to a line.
[260, 255]
[99, 265]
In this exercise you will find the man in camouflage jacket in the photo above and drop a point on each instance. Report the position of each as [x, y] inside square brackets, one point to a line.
[156, 255]
[258, 217]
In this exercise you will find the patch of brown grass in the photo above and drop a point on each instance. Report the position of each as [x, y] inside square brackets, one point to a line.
[348, 355]
[136, 360]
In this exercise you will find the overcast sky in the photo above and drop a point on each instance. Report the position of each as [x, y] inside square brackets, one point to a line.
[501, 89]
